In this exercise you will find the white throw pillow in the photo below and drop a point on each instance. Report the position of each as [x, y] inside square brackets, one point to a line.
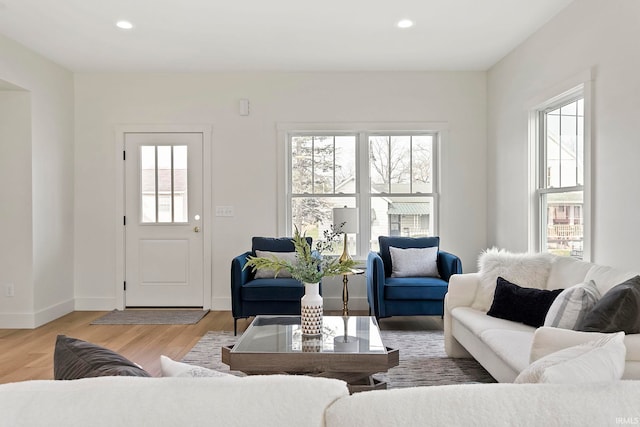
[414, 262]
[265, 273]
[600, 360]
[525, 270]
[171, 368]
[572, 305]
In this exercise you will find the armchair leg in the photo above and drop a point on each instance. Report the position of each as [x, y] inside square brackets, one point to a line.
[235, 326]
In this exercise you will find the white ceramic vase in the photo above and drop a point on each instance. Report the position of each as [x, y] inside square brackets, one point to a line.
[311, 310]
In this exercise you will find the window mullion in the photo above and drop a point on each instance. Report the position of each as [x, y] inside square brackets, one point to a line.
[157, 195]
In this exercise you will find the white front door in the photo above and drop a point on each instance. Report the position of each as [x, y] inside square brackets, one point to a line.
[163, 220]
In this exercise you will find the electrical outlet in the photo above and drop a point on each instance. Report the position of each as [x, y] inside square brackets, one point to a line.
[224, 211]
[9, 290]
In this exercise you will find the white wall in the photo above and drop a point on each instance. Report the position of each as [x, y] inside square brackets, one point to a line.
[16, 255]
[589, 34]
[244, 153]
[38, 164]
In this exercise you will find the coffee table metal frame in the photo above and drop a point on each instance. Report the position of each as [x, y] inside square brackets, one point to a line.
[275, 345]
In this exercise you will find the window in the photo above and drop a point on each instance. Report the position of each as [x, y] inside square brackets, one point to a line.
[163, 181]
[389, 176]
[401, 190]
[560, 192]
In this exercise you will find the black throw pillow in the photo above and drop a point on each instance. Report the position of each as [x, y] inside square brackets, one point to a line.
[74, 359]
[617, 310]
[524, 305]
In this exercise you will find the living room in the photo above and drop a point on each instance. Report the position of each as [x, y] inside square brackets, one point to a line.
[62, 248]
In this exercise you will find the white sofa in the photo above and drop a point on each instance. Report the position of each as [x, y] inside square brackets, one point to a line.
[505, 348]
[307, 401]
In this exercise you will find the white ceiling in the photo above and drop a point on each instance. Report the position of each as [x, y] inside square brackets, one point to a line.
[292, 35]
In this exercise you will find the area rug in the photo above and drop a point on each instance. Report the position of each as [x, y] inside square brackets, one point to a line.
[151, 317]
[423, 361]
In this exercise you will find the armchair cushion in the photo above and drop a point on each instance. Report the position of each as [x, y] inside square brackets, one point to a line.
[385, 242]
[415, 288]
[414, 262]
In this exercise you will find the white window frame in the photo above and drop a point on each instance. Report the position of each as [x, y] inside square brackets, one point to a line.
[362, 131]
[578, 86]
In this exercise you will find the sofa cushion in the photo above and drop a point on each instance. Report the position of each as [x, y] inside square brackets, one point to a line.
[265, 273]
[272, 290]
[414, 262]
[74, 359]
[617, 310]
[600, 360]
[525, 305]
[570, 307]
[402, 242]
[566, 271]
[528, 270]
[414, 288]
[477, 321]
[513, 347]
[607, 277]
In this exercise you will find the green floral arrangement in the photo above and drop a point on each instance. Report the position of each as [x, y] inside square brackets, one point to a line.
[310, 266]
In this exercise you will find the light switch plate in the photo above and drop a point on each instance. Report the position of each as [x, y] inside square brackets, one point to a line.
[224, 211]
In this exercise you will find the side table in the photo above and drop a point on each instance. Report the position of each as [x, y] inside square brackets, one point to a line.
[345, 289]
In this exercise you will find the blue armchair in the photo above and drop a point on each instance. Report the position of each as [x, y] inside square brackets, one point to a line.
[408, 296]
[251, 296]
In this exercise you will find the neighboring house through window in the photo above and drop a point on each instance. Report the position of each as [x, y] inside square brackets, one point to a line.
[389, 176]
[561, 173]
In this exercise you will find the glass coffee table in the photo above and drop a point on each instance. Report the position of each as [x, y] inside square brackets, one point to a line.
[350, 349]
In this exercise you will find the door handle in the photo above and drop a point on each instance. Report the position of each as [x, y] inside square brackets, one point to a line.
[196, 229]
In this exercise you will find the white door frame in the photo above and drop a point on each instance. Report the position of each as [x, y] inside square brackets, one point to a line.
[121, 130]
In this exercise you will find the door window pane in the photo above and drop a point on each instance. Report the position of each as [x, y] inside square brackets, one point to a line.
[148, 182]
[163, 180]
[180, 187]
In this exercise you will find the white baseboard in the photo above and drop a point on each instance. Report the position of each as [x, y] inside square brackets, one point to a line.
[39, 318]
[95, 304]
[53, 312]
[221, 304]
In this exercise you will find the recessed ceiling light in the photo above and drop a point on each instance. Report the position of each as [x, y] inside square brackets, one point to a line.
[124, 25]
[405, 23]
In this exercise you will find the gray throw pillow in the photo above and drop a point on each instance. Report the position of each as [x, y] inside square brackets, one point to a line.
[414, 262]
[570, 307]
[74, 359]
[617, 310]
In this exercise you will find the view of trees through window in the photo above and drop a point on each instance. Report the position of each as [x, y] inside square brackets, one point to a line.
[401, 171]
[325, 174]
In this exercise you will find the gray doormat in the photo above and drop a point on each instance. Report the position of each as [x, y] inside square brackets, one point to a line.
[151, 317]
[423, 361]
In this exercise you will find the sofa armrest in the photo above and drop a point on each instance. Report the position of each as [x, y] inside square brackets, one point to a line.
[239, 276]
[448, 265]
[461, 293]
[462, 290]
